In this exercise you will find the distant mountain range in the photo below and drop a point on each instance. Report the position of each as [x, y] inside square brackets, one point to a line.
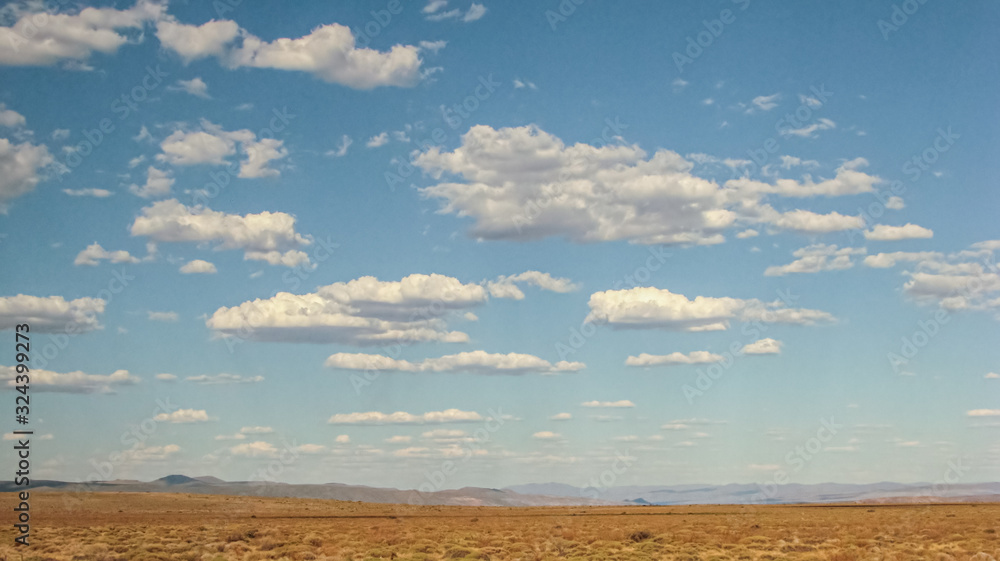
[548, 494]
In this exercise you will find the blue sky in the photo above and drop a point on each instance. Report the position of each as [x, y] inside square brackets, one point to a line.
[358, 241]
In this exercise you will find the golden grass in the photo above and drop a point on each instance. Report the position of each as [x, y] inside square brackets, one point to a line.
[149, 527]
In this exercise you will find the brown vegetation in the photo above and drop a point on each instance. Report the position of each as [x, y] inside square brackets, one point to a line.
[148, 527]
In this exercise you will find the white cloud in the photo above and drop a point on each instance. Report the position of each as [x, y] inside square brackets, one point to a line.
[398, 439]
[434, 6]
[256, 234]
[478, 362]
[749, 233]
[342, 439]
[166, 377]
[766, 346]
[403, 418]
[257, 430]
[614, 404]
[816, 258]
[809, 131]
[506, 285]
[655, 308]
[70, 37]
[162, 316]
[992, 376]
[476, 11]
[764, 102]
[184, 416]
[60, 134]
[50, 314]
[808, 222]
[198, 267]
[884, 233]
[379, 139]
[158, 184]
[524, 184]
[329, 52]
[695, 357]
[895, 203]
[519, 84]
[546, 435]
[10, 118]
[193, 42]
[885, 260]
[341, 149]
[223, 379]
[20, 167]
[94, 254]
[259, 156]
[364, 311]
[195, 86]
[211, 144]
[984, 413]
[145, 453]
[69, 382]
[96, 193]
[561, 417]
[258, 449]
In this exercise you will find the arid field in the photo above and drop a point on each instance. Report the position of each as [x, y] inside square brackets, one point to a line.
[145, 527]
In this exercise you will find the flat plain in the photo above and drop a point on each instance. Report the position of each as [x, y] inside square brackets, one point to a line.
[167, 526]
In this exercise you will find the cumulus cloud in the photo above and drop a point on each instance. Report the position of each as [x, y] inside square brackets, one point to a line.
[211, 144]
[329, 52]
[71, 37]
[506, 286]
[267, 236]
[379, 139]
[762, 347]
[70, 382]
[181, 416]
[195, 86]
[50, 314]
[94, 254]
[20, 168]
[158, 184]
[885, 260]
[624, 403]
[523, 183]
[198, 267]
[695, 357]
[364, 311]
[884, 233]
[655, 308]
[546, 435]
[561, 417]
[258, 449]
[477, 362]
[403, 418]
[816, 258]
